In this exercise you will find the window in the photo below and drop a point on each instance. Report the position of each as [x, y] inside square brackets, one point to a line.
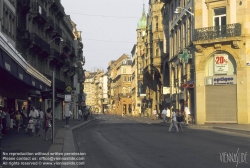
[129, 79]
[124, 90]
[220, 22]
[124, 79]
[124, 70]
[220, 16]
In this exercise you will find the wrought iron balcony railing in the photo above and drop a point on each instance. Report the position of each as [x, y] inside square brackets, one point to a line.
[40, 43]
[39, 11]
[50, 23]
[209, 33]
[57, 30]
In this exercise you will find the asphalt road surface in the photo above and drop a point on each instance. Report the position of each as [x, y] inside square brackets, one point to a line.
[113, 141]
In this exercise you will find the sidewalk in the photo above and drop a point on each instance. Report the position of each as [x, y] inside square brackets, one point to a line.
[64, 142]
[238, 128]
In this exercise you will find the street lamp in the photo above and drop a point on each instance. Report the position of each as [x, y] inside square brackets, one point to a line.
[53, 98]
[61, 39]
[178, 11]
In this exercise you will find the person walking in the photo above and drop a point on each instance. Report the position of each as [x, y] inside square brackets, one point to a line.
[155, 114]
[167, 114]
[3, 120]
[34, 115]
[47, 123]
[173, 122]
[163, 114]
[187, 114]
[68, 114]
[18, 118]
[80, 114]
[6, 119]
[180, 119]
[25, 117]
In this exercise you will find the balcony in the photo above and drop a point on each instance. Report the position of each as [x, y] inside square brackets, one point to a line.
[67, 44]
[57, 8]
[37, 43]
[73, 52]
[217, 32]
[66, 66]
[57, 31]
[57, 59]
[23, 35]
[127, 95]
[50, 24]
[24, 5]
[80, 45]
[38, 13]
[72, 71]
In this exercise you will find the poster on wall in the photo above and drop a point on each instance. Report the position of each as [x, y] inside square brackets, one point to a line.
[220, 64]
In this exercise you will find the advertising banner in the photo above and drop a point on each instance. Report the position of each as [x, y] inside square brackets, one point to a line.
[220, 64]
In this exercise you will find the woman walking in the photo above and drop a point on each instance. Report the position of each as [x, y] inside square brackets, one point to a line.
[47, 123]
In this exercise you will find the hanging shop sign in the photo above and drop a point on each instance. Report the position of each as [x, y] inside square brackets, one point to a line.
[166, 90]
[67, 98]
[220, 64]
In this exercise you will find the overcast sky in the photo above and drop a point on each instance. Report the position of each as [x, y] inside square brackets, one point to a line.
[108, 28]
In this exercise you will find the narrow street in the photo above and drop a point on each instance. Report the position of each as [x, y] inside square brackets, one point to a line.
[113, 141]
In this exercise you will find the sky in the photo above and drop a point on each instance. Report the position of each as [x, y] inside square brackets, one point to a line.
[108, 28]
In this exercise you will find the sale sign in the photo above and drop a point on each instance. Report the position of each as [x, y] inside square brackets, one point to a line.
[220, 64]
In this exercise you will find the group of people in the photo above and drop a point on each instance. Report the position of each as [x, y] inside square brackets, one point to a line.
[177, 117]
[9, 119]
[33, 121]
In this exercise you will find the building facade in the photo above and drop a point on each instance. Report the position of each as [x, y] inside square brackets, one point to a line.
[221, 39]
[119, 84]
[208, 59]
[38, 39]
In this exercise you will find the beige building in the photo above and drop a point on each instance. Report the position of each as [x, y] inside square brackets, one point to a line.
[93, 89]
[149, 56]
[119, 84]
[136, 101]
[208, 60]
[222, 61]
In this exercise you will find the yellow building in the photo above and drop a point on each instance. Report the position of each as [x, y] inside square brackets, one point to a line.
[222, 61]
[119, 84]
[209, 58]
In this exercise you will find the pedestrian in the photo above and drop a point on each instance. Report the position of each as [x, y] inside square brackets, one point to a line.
[154, 114]
[133, 113]
[18, 119]
[34, 115]
[168, 114]
[163, 114]
[25, 117]
[12, 116]
[3, 120]
[7, 119]
[180, 119]
[173, 122]
[80, 114]
[68, 114]
[187, 114]
[47, 123]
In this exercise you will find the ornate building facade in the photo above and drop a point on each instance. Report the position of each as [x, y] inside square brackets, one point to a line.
[38, 38]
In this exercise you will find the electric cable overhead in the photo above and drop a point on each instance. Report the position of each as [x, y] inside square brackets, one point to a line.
[110, 41]
[104, 15]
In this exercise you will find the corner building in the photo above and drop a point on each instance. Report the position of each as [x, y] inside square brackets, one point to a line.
[222, 60]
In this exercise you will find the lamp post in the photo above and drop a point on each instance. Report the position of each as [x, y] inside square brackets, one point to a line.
[53, 98]
[178, 11]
